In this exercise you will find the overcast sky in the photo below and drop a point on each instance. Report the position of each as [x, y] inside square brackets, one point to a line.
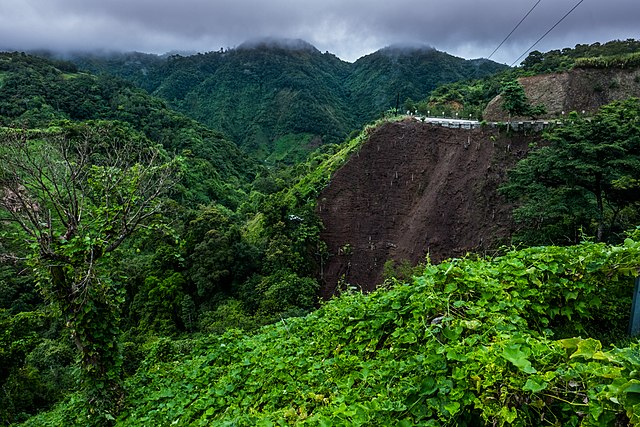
[347, 28]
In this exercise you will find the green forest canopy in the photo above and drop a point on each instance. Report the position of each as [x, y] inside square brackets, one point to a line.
[228, 255]
[470, 97]
[466, 342]
[583, 180]
[262, 96]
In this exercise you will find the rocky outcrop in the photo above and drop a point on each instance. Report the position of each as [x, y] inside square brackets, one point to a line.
[581, 89]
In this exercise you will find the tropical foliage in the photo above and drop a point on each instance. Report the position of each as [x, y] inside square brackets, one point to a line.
[269, 97]
[152, 273]
[584, 179]
[74, 190]
[466, 342]
[581, 55]
[73, 195]
[399, 73]
[470, 97]
[515, 102]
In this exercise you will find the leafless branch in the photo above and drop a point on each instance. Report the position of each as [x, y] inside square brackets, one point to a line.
[50, 182]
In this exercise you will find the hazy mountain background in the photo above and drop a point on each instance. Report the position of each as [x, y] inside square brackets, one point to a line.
[280, 99]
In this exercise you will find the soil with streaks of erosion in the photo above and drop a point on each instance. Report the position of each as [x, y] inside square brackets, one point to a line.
[415, 189]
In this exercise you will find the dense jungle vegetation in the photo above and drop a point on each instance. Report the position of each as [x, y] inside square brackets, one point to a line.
[154, 274]
[149, 217]
[280, 99]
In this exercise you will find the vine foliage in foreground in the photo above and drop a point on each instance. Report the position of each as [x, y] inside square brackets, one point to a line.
[512, 341]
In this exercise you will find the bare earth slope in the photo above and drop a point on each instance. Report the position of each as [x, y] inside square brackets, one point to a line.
[415, 189]
[576, 90]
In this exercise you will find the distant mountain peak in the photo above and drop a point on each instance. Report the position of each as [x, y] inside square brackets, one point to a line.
[406, 48]
[278, 43]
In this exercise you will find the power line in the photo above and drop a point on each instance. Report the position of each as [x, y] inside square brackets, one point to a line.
[548, 31]
[514, 29]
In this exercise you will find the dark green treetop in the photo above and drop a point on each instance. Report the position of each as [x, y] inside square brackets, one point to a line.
[585, 178]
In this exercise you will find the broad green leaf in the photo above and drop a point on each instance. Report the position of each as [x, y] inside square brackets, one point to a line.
[587, 348]
[509, 414]
[428, 386]
[570, 343]
[534, 385]
[517, 355]
[630, 355]
[632, 392]
[632, 386]
[452, 407]
[595, 411]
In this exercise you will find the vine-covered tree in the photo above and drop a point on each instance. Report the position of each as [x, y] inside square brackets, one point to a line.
[516, 103]
[72, 194]
[514, 100]
[585, 178]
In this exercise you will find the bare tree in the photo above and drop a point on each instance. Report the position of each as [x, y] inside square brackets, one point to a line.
[74, 194]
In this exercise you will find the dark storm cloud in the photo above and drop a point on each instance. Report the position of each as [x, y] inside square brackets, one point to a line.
[349, 28]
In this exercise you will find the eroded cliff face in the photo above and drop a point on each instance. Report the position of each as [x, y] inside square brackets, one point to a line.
[576, 90]
[413, 190]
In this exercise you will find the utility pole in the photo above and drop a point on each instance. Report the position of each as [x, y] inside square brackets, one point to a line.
[634, 323]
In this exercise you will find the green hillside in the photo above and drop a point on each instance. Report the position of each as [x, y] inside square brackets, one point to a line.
[410, 73]
[132, 66]
[562, 59]
[152, 273]
[516, 340]
[151, 214]
[258, 95]
[470, 97]
[280, 99]
[35, 92]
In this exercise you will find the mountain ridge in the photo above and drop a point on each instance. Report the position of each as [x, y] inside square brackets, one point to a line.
[36, 92]
[277, 96]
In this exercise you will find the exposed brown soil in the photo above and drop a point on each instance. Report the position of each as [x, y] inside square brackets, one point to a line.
[576, 90]
[415, 189]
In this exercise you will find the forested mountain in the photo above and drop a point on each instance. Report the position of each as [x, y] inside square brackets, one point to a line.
[563, 59]
[123, 220]
[151, 273]
[35, 92]
[282, 98]
[407, 72]
[471, 97]
[262, 95]
[132, 66]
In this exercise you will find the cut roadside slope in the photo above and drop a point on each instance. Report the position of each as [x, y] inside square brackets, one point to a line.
[414, 190]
